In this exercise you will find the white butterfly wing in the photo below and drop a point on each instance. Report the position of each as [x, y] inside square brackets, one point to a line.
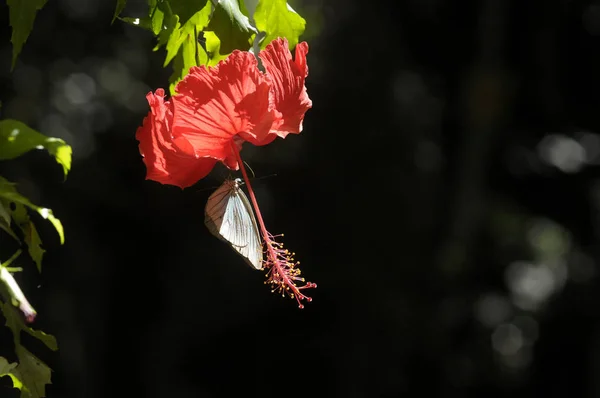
[229, 216]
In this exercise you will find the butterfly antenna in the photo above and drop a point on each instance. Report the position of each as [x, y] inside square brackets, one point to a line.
[253, 175]
[267, 176]
[212, 186]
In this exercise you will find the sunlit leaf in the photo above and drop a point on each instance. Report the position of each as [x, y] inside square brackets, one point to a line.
[190, 49]
[212, 45]
[174, 42]
[177, 74]
[190, 54]
[193, 53]
[21, 16]
[119, 8]
[231, 26]
[157, 17]
[16, 138]
[9, 193]
[183, 48]
[277, 19]
[170, 23]
[187, 35]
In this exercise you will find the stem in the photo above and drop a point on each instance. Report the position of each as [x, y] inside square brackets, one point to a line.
[261, 223]
[197, 47]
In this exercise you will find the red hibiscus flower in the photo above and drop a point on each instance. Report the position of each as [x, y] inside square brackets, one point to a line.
[164, 161]
[181, 140]
[214, 112]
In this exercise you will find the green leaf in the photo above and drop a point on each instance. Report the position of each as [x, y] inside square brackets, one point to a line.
[5, 220]
[185, 9]
[9, 193]
[165, 35]
[5, 367]
[15, 323]
[21, 16]
[174, 42]
[277, 19]
[47, 339]
[212, 46]
[152, 22]
[120, 7]
[8, 262]
[34, 373]
[145, 23]
[170, 22]
[30, 234]
[157, 17]
[183, 48]
[6, 228]
[16, 138]
[177, 74]
[186, 35]
[190, 54]
[231, 26]
[4, 215]
[8, 369]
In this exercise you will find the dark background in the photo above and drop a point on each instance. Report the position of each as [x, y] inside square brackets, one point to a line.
[444, 195]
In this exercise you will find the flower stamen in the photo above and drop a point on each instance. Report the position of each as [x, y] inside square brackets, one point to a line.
[283, 273]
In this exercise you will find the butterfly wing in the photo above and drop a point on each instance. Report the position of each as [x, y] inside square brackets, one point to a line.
[216, 206]
[229, 216]
[252, 250]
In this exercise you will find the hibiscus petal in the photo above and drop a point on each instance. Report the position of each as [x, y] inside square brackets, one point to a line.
[289, 91]
[216, 104]
[164, 162]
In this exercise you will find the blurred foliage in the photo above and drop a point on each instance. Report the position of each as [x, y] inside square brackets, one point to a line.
[22, 16]
[29, 374]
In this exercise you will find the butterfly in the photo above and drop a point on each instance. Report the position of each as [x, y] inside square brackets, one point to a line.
[228, 215]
